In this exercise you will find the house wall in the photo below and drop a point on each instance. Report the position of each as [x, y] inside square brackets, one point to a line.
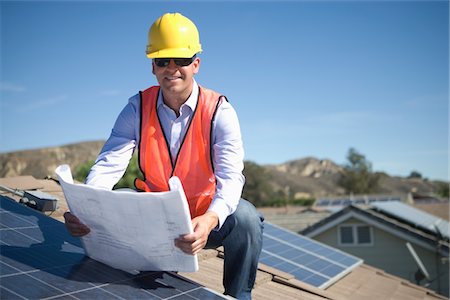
[389, 252]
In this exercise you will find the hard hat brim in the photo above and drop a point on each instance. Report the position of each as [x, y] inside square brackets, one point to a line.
[168, 53]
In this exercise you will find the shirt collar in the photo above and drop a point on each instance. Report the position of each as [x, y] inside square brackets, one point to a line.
[191, 102]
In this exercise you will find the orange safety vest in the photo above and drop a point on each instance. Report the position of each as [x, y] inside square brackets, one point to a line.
[193, 164]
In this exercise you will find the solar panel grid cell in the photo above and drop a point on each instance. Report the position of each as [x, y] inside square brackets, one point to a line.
[287, 267]
[316, 280]
[306, 259]
[331, 270]
[293, 254]
[317, 264]
[302, 274]
[270, 260]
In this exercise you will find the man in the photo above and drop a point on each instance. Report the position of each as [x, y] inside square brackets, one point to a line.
[182, 129]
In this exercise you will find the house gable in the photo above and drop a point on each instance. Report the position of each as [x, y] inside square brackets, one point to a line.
[388, 250]
[392, 227]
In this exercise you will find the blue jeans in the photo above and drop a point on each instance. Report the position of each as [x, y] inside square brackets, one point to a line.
[241, 237]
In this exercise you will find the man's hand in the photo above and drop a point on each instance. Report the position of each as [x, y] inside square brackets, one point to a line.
[194, 242]
[74, 226]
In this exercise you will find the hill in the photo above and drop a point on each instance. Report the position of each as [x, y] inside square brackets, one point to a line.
[312, 177]
[43, 162]
[302, 178]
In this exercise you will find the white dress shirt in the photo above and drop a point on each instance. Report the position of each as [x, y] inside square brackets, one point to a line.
[227, 150]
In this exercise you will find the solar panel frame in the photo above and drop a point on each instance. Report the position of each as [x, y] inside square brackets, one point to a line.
[39, 259]
[414, 216]
[308, 260]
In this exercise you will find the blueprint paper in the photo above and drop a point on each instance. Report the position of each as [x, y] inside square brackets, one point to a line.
[131, 231]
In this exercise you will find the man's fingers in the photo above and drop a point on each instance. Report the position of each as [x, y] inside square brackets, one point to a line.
[196, 248]
[190, 237]
[183, 246]
[78, 229]
[189, 249]
[192, 243]
[74, 226]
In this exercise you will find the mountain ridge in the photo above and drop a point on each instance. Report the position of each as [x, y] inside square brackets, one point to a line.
[42, 162]
[307, 177]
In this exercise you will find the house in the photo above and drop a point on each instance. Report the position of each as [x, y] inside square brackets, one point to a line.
[360, 281]
[393, 236]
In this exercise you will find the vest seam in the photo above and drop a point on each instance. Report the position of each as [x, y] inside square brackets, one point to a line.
[140, 141]
[211, 144]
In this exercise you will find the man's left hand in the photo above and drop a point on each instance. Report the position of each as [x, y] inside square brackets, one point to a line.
[192, 243]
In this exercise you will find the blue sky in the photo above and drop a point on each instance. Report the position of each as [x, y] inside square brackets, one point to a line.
[307, 78]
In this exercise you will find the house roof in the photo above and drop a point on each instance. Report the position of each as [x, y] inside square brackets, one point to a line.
[363, 282]
[388, 222]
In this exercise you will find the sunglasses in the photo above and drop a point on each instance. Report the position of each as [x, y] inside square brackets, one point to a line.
[181, 62]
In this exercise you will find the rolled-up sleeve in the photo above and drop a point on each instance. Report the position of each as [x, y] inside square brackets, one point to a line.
[118, 149]
[228, 160]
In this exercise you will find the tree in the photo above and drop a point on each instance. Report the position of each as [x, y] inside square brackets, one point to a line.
[443, 189]
[127, 180]
[82, 171]
[257, 189]
[357, 177]
[415, 174]
[133, 171]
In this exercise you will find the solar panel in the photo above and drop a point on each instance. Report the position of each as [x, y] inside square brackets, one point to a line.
[355, 200]
[415, 217]
[39, 259]
[308, 260]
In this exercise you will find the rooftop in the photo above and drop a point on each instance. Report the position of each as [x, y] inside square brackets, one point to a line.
[362, 282]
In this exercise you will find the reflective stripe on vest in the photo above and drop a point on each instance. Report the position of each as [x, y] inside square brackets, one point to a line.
[193, 164]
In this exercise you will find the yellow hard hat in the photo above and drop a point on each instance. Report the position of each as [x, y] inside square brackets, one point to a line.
[173, 35]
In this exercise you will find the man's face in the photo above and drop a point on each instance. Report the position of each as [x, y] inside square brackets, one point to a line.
[176, 79]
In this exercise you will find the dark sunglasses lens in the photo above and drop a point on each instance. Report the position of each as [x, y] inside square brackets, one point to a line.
[182, 62]
[162, 62]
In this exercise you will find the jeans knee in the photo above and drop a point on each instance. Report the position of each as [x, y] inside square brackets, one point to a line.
[248, 218]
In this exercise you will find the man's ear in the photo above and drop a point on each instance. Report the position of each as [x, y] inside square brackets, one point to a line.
[196, 65]
[153, 67]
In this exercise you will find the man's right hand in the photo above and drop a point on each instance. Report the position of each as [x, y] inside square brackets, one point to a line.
[74, 226]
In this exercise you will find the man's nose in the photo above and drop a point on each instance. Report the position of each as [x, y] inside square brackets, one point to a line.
[172, 64]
